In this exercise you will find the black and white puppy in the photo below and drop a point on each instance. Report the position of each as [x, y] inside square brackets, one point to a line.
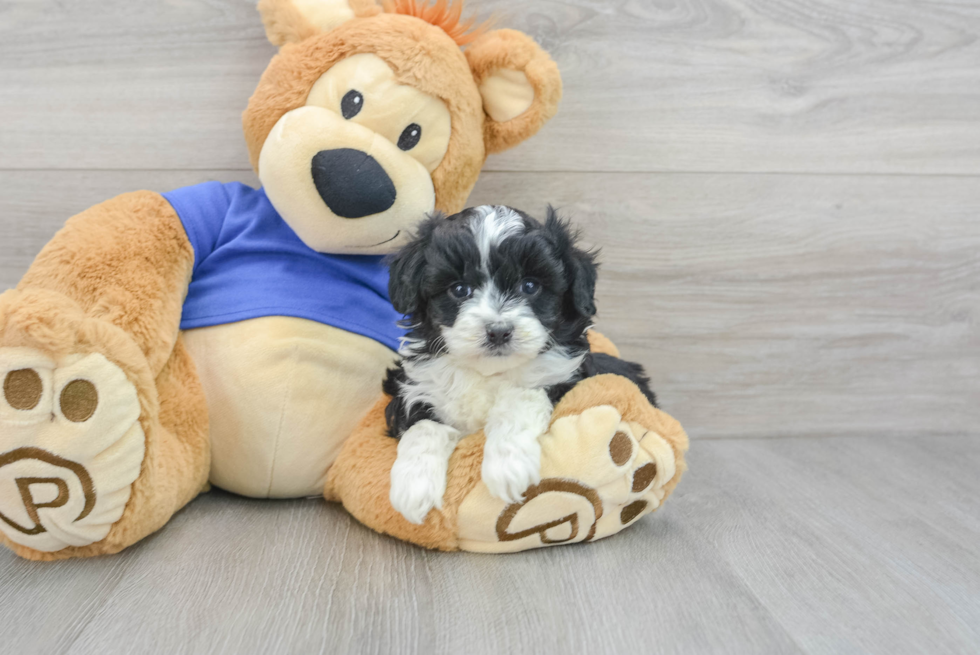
[497, 307]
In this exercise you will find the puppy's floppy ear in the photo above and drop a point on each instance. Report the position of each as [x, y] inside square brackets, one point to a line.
[291, 21]
[580, 266]
[520, 85]
[407, 268]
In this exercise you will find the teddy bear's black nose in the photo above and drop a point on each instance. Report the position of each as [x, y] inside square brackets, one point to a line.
[352, 183]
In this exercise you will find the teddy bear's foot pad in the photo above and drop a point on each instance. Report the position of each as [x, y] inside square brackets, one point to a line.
[71, 446]
[599, 474]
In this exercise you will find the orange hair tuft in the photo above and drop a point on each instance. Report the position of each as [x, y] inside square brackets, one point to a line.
[444, 14]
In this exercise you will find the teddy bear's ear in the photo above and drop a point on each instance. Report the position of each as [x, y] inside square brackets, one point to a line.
[290, 21]
[520, 85]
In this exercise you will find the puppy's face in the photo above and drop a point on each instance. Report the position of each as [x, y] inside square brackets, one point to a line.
[493, 288]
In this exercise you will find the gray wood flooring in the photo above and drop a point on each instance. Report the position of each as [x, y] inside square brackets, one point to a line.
[787, 197]
[770, 546]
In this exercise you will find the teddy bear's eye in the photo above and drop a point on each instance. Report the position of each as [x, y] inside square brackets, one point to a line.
[410, 136]
[351, 104]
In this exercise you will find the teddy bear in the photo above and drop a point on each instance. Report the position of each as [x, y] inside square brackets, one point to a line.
[237, 337]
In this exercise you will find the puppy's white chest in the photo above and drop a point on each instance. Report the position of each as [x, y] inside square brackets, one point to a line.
[469, 402]
[464, 398]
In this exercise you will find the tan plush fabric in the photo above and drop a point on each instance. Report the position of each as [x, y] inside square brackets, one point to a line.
[73, 453]
[126, 261]
[511, 50]
[600, 473]
[274, 387]
[360, 479]
[599, 343]
[622, 394]
[389, 106]
[103, 301]
[284, 22]
[420, 54]
[506, 94]
[364, 8]
[387, 109]
[447, 15]
[111, 284]
[609, 458]
[290, 21]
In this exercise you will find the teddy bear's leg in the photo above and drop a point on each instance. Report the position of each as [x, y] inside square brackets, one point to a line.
[608, 459]
[360, 478]
[103, 424]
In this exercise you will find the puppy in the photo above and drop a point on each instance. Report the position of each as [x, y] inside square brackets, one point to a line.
[497, 309]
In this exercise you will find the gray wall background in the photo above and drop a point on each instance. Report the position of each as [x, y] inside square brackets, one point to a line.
[786, 193]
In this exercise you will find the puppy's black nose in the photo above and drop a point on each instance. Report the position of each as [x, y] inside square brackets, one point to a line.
[499, 334]
[352, 183]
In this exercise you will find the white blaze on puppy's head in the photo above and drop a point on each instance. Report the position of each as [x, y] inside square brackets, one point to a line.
[495, 329]
[491, 225]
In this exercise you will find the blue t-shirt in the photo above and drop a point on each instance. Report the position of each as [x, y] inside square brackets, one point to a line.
[249, 263]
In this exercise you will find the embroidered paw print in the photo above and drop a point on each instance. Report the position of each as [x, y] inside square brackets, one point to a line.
[71, 446]
[599, 474]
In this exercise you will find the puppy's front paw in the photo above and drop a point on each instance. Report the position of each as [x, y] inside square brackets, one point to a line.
[511, 466]
[417, 486]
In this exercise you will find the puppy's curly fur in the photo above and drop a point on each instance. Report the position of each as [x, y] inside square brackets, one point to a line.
[498, 306]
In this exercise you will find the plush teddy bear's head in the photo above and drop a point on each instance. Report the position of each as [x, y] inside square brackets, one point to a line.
[371, 117]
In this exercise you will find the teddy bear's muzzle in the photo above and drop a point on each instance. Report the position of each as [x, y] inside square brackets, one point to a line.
[352, 183]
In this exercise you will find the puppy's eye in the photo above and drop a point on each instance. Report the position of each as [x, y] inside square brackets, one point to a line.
[410, 136]
[351, 104]
[530, 287]
[461, 291]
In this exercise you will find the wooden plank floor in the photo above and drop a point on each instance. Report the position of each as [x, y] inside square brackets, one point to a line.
[832, 545]
[787, 195]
